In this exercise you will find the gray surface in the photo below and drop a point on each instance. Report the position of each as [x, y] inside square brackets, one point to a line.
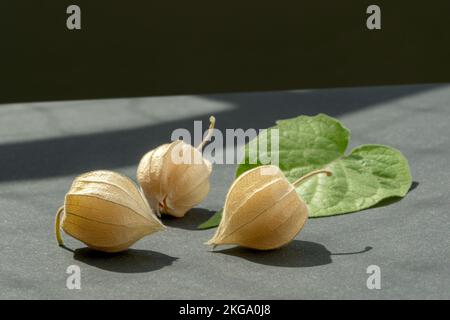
[44, 145]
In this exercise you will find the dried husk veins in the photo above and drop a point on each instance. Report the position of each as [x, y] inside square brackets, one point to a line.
[174, 187]
[261, 211]
[106, 211]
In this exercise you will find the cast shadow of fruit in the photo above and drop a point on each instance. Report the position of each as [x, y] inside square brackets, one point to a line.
[130, 261]
[190, 221]
[297, 254]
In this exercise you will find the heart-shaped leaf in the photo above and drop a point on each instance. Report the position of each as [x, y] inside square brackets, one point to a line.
[361, 179]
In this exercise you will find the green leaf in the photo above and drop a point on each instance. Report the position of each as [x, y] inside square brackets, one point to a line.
[361, 179]
[369, 174]
[212, 222]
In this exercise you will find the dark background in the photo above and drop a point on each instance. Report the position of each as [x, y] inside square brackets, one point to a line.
[148, 47]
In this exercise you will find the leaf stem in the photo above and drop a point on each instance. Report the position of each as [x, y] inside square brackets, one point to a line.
[58, 226]
[212, 123]
[309, 175]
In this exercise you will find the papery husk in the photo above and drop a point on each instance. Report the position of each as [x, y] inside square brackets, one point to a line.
[106, 211]
[171, 186]
[262, 211]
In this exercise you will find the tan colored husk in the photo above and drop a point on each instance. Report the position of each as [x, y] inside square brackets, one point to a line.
[262, 211]
[172, 186]
[106, 211]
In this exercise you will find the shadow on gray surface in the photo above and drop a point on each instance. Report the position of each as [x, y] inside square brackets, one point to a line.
[190, 221]
[366, 249]
[414, 185]
[297, 254]
[130, 261]
[120, 148]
